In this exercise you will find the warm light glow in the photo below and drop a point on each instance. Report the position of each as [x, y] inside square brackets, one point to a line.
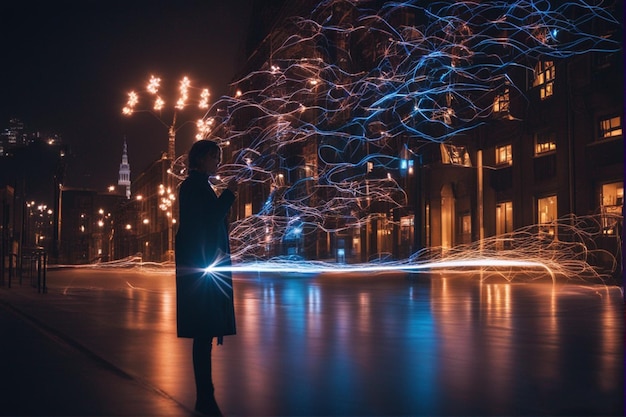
[154, 84]
[184, 90]
[158, 103]
[130, 105]
[204, 99]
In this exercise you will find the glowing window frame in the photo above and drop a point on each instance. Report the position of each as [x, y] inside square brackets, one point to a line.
[610, 127]
[501, 103]
[547, 215]
[545, 74]
[545, 143]
[504, 154]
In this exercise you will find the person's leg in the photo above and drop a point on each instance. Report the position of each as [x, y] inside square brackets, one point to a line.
[202, 366]
[205, 399]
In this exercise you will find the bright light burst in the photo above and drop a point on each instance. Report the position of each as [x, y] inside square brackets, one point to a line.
[184, 93]
[378, 85]
[130, 105]
[154, 84]
[154, 89]
[204, 99]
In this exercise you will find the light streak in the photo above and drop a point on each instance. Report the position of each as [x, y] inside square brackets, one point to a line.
[327, 267]
[429, 80]
[377, 86]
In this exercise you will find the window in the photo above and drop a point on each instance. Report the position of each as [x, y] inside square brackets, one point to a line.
[504, 155]
[545, 143]
[547, 215]
[501, 102]
[612, 200]
[504, 224]
[544, 78]
[611, 127]
[466, 228]
[613, 195]
[455, 155]
[248, 210]
[504, 217]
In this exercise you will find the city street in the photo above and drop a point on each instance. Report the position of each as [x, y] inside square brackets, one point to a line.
[103, 342]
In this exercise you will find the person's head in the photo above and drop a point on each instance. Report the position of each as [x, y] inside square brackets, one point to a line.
[204, 156]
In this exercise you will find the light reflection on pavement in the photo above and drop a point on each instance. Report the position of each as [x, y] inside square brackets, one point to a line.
[360, 345]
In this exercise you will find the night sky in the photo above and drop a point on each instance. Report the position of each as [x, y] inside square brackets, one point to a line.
[67, 68]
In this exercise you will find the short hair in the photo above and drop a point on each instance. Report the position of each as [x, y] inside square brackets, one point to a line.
[199, 150]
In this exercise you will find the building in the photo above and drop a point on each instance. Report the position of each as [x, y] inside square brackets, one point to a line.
[87, 226]
[146, 223]
[124, 174]
[346, 162]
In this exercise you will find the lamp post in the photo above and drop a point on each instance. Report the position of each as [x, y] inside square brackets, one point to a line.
[167, 199]
[159, 104]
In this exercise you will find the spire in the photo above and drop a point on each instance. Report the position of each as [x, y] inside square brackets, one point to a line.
[124, 178]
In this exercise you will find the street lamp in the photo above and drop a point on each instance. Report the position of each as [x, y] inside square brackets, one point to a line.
[159, 103]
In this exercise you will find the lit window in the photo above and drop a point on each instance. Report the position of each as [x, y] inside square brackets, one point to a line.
[504, 224]
[544, 78]
[501, 102]
[611, 127]
[455, 155]
[504, 155]
[613, 194]
[545, 143]
[248, 210]
[504, 217]
[547, 215]
[612, 200]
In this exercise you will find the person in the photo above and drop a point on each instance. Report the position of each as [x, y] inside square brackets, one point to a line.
[204, 300]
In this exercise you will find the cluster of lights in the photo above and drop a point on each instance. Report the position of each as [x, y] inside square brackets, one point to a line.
[184, 93]
[153, 88]
[167, 200]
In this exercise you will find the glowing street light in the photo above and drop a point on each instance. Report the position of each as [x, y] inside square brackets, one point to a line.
[159, 103]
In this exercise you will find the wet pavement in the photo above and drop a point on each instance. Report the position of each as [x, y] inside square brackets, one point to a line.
[103, 342]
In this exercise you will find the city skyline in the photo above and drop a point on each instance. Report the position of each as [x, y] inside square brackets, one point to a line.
[73, 64]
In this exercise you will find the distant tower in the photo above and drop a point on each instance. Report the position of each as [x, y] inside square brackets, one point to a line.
[125, 171]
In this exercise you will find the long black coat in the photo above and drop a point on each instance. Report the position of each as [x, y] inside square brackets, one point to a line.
[204, 302]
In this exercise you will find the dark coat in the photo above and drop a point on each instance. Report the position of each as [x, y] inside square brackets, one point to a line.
[204, 302]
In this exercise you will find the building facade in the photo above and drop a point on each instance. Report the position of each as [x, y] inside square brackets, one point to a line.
[146, 225]
[546, 144]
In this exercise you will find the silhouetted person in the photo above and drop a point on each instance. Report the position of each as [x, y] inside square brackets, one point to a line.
[204, 301]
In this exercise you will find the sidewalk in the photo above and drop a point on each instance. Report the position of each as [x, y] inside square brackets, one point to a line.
[43, 372]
